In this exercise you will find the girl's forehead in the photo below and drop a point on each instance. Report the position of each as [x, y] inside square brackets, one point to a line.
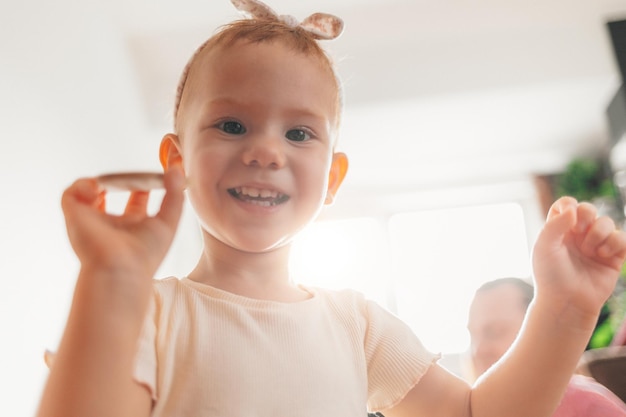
[241, 48]
[254, 63]
[251, 62]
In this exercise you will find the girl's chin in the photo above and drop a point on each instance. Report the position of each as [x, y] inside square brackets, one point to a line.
[255, 246]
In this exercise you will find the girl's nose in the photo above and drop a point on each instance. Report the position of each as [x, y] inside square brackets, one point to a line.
[265, 151]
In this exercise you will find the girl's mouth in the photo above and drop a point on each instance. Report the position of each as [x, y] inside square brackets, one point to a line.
[258, 196]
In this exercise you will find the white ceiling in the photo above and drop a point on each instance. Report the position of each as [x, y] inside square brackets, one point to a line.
[441, 93]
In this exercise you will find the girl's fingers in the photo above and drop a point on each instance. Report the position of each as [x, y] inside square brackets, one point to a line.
[561, 205]
[586, 214]
[102, 204]
[614, 245]
[172, 204]
[561, 218]
[596, 235]
[85, 191]
[137, 203]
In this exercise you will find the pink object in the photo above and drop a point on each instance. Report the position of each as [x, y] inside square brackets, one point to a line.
[587, 398]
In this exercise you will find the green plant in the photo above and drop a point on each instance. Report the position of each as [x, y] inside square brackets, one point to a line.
[585, 179]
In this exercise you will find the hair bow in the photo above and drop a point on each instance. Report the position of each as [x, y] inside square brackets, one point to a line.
[319, 25]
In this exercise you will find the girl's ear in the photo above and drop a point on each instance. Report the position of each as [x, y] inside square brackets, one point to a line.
[338, 170]
[170, 152]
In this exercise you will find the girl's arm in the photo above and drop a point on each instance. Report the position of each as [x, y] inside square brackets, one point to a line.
[92, 370]
[92, 373]
[576, 261]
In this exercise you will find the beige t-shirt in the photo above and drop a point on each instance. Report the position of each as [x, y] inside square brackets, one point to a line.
[206, 352]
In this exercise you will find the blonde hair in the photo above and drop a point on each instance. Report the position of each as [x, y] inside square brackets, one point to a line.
[258, 31]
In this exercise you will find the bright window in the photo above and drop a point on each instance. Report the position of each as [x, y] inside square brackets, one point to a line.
[424, 265]
[339, 254]
[442, 256]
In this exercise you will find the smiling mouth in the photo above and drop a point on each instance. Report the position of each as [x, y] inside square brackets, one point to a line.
[258, 196]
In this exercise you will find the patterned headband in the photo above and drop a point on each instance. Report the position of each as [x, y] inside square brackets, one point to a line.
[319, 25]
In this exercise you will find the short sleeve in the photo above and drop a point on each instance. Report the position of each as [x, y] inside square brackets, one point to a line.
[145, 371]
[396, 358]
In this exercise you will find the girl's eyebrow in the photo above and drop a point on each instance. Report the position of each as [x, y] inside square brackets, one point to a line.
[227, 102]
[222, 101]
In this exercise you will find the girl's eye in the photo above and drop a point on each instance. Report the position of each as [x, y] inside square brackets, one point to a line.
[297, 135]
[232, 128]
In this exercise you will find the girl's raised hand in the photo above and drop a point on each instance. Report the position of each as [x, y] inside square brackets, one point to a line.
[577, 258]
[131, 243]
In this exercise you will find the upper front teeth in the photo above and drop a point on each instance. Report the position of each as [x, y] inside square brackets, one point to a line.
[256, 192]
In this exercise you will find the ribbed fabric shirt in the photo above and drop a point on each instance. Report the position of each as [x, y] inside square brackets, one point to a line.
[205, 352]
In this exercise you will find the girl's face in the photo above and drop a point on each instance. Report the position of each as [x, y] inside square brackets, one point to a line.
[257, 143]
